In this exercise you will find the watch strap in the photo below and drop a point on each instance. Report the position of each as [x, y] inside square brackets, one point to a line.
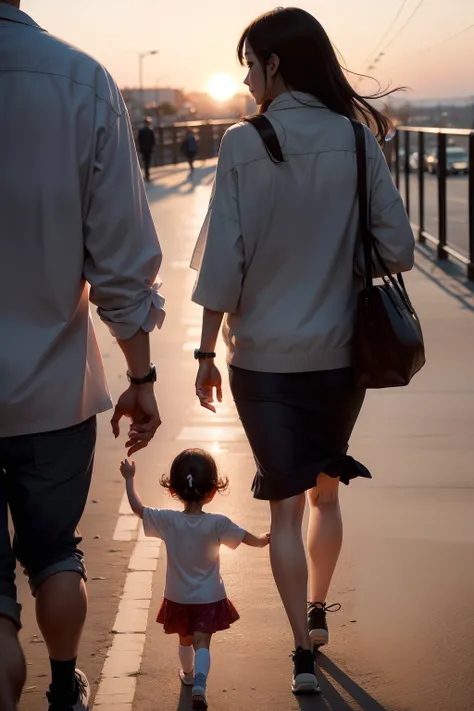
[150, 377]
[201, 355]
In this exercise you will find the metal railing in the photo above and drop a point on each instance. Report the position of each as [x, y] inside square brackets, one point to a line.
[169, 139]
[441, 241]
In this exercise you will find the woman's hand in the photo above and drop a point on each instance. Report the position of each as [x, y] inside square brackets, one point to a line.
[264, 539]
[207, 379]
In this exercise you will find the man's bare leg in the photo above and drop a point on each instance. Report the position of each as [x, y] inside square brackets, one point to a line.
[12, 666]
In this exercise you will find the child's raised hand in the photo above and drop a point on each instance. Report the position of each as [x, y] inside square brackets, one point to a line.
[127, 469]
[264, 539]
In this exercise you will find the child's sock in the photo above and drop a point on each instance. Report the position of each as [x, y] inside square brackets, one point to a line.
[202, 662]
[186, 657]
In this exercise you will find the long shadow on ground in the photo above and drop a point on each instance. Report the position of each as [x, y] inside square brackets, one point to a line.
[338, 692]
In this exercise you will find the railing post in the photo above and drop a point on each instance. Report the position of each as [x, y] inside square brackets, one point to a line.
[397, 158]
[421, 186]
[407, 172]
[161, 147]
[442, 196]
[470, 267]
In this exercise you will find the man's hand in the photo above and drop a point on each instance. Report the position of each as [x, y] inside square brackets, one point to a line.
[127, 469]
[138, 403]
[208, 378]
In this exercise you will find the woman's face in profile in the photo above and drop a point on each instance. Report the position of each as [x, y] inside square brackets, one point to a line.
[255, 79]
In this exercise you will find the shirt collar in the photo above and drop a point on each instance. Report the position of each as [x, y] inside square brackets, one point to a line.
[295, 100]
[8, 12]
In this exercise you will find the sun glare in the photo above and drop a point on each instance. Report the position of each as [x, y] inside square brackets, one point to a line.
[222, 87]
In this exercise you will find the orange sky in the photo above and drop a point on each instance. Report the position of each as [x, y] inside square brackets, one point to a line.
[195, 40]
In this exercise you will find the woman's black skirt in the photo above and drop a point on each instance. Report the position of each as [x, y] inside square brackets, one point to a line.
[298, 425]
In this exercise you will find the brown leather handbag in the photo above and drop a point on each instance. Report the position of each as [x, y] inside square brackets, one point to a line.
[388, 342]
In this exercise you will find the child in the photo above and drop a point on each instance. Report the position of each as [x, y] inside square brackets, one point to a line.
[195, 605]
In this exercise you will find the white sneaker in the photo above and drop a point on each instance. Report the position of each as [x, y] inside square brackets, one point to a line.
[83, 696]
[82, 703]
[186, 678]
[199, 692]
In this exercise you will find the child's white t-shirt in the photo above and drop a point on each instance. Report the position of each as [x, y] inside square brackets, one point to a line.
[192, 546]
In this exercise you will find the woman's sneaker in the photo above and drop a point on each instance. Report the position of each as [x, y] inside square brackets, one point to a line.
[187, 678]
[317, 623]
[199, 692]
[304, 678]
[78, 702]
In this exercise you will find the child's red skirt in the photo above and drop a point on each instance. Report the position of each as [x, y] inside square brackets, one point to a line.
[178, 618]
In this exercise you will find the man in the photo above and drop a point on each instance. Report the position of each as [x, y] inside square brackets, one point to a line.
[146, 144]
[73, 211]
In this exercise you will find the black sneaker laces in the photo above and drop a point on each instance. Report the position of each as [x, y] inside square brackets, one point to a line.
[81, 686]
[300, 650]
[334, 607]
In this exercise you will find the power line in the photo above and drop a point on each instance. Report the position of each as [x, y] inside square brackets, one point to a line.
[397, 35]
[402, 28]
[386, 34]
[432, 46]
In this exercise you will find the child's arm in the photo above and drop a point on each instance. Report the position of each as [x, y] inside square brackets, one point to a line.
[127, 470]
[256, 541]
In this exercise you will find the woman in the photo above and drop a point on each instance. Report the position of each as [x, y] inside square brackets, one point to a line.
[279, 257]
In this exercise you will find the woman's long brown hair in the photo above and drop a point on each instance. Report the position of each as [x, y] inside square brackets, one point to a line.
[309, 64]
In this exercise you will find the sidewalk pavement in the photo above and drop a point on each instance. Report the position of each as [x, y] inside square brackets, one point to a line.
[403, 639]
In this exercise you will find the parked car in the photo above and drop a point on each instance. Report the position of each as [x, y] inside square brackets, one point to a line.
[457, 161]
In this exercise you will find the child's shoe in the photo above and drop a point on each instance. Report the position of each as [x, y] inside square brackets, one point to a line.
[186, 678]
[199, 692]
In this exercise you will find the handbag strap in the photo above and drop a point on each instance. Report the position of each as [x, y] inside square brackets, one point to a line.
[268, 136]
[365, 235]
[368, 241]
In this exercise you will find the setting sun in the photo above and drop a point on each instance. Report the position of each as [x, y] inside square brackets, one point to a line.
[222, 87]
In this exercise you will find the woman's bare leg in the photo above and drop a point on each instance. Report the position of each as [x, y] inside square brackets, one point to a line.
[324, 535]
[288, 561]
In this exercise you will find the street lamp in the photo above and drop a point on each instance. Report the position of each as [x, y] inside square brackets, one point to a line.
[141, 57]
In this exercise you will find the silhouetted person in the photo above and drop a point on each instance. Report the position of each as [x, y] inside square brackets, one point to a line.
[146, 144]
[189, 148]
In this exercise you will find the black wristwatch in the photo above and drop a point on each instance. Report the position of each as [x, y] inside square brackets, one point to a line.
[149, 378]
[200, 355]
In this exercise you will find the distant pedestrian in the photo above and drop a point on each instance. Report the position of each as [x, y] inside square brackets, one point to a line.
[189, 149]
[279, 255]
[146, 145]
[195, 604]
[75, 230]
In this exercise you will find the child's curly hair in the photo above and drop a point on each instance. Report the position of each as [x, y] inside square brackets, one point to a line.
[193, 475]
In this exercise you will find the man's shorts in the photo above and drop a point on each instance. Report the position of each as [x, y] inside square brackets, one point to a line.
[44, 482]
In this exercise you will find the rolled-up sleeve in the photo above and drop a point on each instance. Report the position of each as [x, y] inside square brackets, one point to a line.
[122, 251]
[389, 222]
[219, 253]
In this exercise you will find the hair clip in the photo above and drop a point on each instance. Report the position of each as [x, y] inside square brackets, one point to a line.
[190, 481]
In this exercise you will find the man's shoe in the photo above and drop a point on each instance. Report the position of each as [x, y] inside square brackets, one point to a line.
[304, 677]
[79, 701]
[317, 623]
